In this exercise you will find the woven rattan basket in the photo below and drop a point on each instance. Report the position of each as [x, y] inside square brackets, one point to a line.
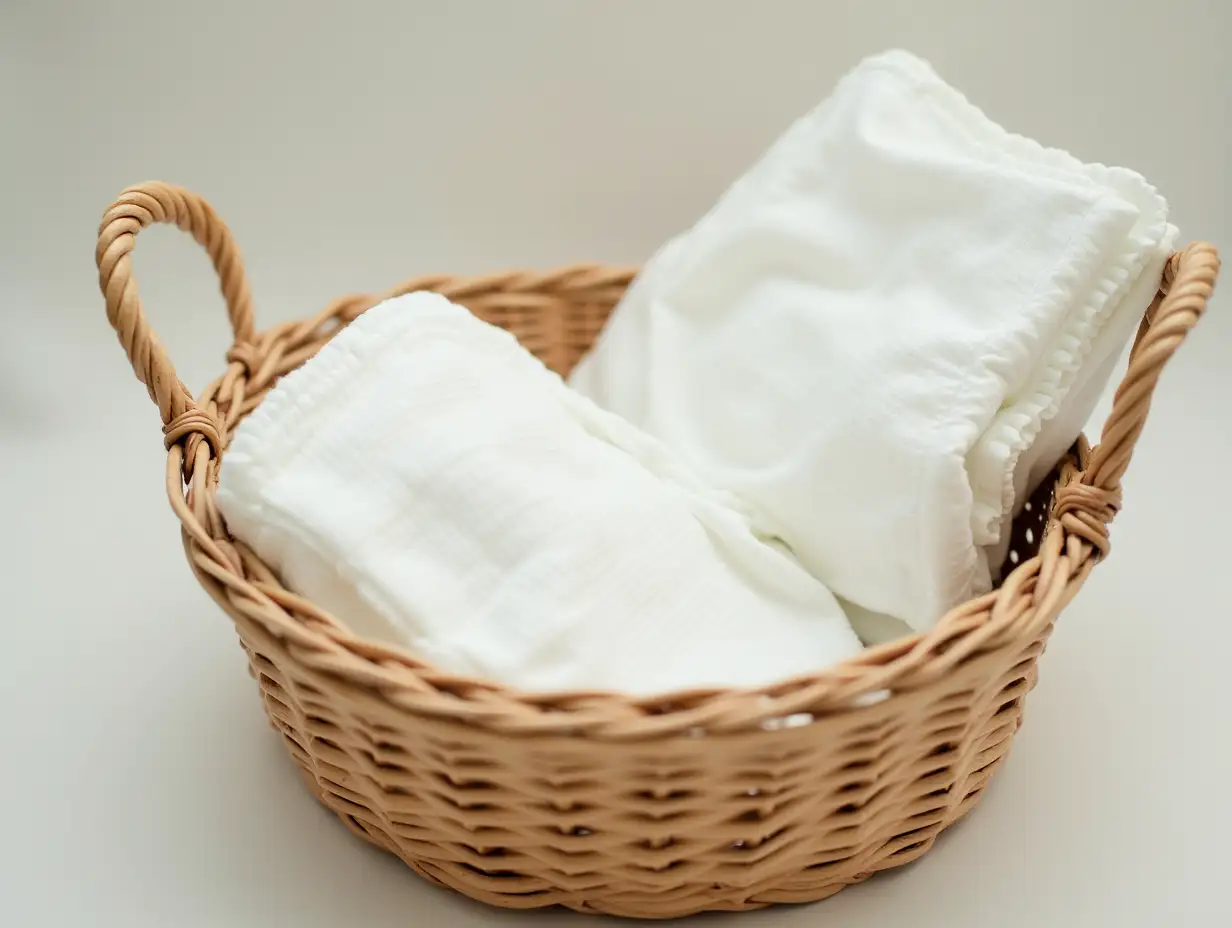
[651, 807]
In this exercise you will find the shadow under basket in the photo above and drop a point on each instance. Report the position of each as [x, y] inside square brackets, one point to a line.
[650, 807]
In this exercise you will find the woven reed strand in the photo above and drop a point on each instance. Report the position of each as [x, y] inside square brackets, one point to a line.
[651, 807]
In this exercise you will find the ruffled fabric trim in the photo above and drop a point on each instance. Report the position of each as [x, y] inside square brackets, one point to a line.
[1087, 304]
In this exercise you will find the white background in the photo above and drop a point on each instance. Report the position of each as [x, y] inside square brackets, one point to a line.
[352, 144]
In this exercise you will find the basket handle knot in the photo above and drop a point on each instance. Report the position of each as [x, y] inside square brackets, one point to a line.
[1086, 511]
[244, 354]
[190, 424]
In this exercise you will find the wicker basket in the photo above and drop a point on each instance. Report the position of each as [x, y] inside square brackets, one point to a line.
[650, 807]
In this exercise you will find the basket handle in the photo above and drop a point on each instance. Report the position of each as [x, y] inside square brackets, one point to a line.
[136, 208]
[1089, 503]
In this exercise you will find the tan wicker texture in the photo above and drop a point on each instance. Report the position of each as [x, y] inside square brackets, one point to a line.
[653, 807]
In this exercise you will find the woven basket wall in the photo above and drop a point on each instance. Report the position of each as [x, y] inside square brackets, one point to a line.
[651, 807]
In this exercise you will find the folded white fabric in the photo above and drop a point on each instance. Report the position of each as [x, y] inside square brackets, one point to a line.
[434, 486]
[886, 331]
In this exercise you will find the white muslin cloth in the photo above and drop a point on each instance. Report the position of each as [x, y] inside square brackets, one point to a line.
[433, 485]
[886, 331]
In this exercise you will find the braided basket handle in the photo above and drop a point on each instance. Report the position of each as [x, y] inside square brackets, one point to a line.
[1189, 279]
[136, 208]
[1086, 505]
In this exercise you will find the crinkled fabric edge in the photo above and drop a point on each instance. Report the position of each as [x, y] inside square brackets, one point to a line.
[1017, 426]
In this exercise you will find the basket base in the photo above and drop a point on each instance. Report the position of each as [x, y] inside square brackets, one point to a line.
[797, 889]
